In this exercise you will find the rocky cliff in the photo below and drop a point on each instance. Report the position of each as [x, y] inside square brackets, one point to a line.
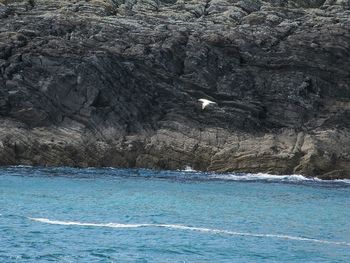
[117, 83]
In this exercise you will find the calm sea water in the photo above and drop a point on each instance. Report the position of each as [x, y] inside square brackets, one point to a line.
[113, 215]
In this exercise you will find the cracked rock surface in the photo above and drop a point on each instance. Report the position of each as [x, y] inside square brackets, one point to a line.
[117, 83]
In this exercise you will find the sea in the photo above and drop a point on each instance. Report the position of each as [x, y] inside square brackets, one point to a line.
[136, 215]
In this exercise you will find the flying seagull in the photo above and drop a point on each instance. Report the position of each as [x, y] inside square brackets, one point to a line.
[205, 103]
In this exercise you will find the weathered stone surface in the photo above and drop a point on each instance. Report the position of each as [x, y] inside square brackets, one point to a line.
[117, 83]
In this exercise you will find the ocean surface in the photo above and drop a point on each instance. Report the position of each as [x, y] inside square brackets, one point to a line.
[121, 215]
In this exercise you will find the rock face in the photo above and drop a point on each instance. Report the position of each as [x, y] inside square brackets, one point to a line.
[117, 83]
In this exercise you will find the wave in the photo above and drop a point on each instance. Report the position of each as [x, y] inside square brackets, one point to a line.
[190, 228]
[347, 181]
[261, 176]
[73, 223]
[188, 169]
[187, 173]
[270, 177]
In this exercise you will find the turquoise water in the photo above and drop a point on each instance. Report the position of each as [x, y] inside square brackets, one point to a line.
[111, 215]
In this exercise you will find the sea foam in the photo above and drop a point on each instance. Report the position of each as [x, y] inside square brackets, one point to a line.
[270, 177]
[189, 228]
[261, 176]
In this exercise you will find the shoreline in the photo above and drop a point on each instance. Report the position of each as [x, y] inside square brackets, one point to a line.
[211, 149]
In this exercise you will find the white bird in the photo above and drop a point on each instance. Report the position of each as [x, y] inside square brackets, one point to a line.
[205, 103]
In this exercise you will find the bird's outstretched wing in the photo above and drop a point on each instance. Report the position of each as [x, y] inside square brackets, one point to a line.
[206, 102]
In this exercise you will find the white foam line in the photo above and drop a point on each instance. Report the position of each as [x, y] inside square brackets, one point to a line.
[261, 176]
[270, 177]
[71, 223]
[188, 169]
[347, 181]
[183, 227]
